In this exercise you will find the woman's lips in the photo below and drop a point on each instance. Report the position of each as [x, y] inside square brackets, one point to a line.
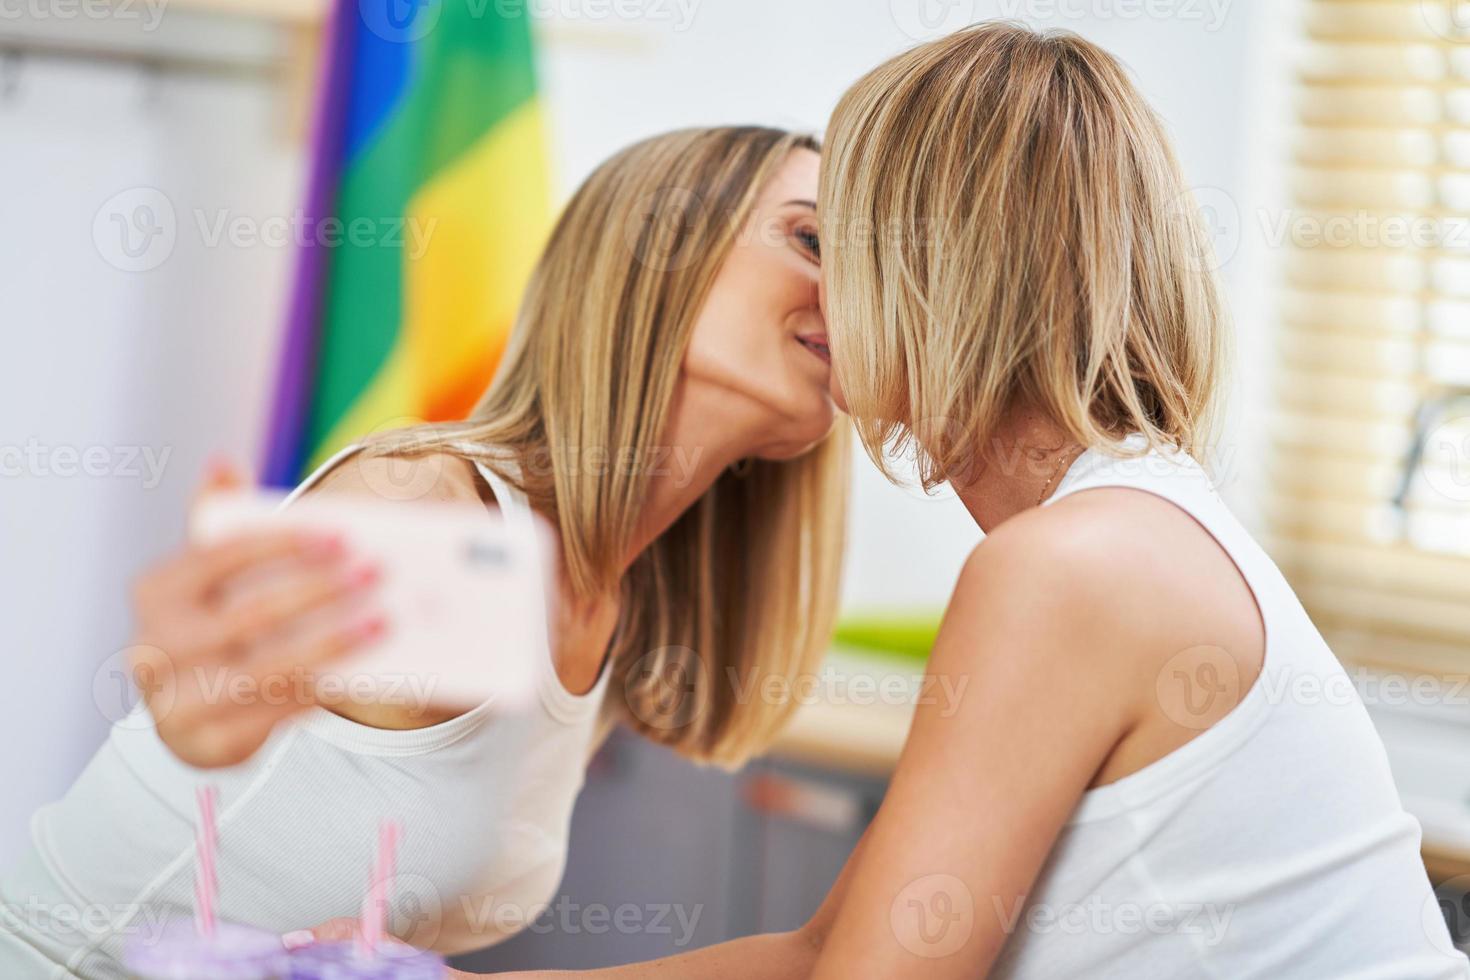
[817, 344]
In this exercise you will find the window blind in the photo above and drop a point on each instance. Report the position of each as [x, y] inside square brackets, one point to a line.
[1369, 507]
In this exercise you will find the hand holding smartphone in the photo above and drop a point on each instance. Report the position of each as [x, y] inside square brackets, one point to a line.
[464, 592]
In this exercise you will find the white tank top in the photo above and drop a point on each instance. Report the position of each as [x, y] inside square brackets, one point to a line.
[1270, 846]
[485, 801]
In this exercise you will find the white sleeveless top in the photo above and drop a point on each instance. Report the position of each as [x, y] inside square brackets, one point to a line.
[1271, 846]
[485, 801]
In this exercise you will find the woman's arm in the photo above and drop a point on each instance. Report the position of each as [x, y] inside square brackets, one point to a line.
[1040, 641]
[1050, 660]
[777, 956]
[227, 617]
[1056, 646]
[1049, 648]
[261, 612]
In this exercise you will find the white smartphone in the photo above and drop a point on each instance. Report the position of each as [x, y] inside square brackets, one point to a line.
[466, 593]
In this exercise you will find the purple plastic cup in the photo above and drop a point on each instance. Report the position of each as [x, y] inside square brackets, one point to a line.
[234, 952]
[343, 961]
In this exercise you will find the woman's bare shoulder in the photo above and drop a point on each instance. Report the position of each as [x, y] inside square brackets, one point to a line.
[425, 477]
[1051, 577]
[1119, 573]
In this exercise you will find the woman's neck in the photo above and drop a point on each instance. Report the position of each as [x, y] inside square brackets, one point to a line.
[706, 435]
[1019, 468]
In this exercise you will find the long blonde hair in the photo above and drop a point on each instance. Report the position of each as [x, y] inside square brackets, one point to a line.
[1004, 223]
[742, 589]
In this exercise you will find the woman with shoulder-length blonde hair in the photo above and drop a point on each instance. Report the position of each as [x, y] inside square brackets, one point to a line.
[734, 574]
[1017, 291]
[665, 404]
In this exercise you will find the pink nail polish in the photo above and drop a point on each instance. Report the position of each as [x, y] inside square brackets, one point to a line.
[371, 628]
[324, 545]
[364, 576]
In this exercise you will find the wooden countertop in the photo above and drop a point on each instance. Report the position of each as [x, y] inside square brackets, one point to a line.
[852, 724]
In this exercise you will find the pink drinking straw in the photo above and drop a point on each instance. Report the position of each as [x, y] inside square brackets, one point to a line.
[375, 905]
[206, 874]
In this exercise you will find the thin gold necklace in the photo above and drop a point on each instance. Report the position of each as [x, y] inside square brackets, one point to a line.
[1066, 460]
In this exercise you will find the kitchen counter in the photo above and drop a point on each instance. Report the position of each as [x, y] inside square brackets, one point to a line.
[857, 718]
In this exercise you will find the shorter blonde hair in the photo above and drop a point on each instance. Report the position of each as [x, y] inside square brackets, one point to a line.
[1004, 223]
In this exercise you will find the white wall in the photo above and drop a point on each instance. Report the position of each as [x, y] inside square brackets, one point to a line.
[176, 359]
[139, 374]
[777, 62]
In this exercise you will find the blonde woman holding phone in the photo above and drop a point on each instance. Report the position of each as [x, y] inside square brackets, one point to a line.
[1017, 289]
[665, 404]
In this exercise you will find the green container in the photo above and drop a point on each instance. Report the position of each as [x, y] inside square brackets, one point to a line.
[908, 635]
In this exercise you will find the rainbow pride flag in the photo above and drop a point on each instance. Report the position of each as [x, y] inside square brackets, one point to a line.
[430, 200]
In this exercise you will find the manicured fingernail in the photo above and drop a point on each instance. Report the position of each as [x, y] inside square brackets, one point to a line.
[298, 939]
[371, 628]
[363, 576]
[324, 545]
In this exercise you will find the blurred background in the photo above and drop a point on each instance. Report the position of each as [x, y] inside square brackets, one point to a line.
[155, 155]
